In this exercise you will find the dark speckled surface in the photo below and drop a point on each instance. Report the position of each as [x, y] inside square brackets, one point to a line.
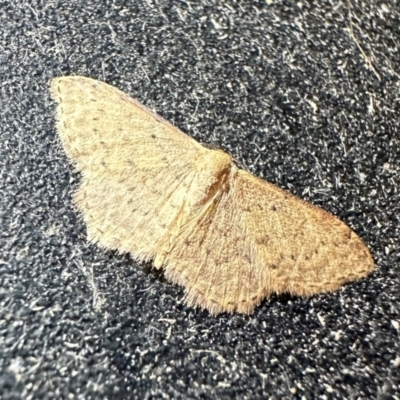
[283, 87]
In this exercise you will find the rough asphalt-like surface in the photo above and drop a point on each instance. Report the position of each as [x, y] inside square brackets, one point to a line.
[305, 94]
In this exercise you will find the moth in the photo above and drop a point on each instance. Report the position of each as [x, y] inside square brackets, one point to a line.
[229, 238]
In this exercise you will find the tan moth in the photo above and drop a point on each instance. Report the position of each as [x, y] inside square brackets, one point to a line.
[230, 238]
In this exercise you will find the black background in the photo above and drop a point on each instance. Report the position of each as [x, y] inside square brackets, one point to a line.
[305, 94]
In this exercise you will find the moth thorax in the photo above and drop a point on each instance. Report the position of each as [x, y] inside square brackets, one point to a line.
[215, 171]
